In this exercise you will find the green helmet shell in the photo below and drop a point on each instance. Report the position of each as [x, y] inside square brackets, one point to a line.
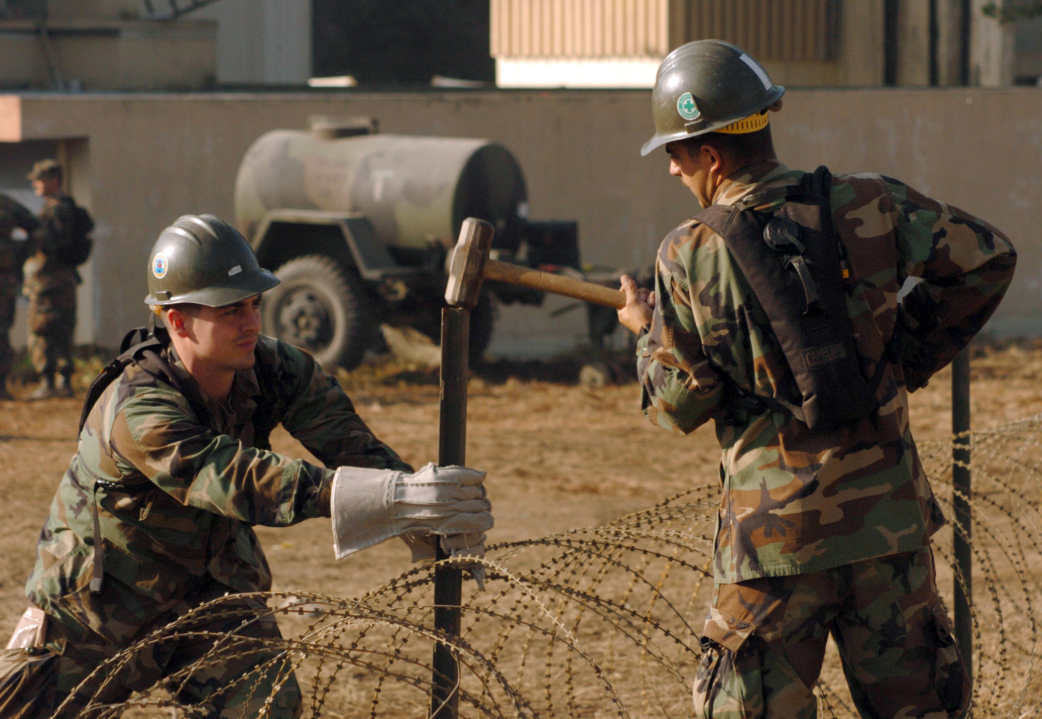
[202, 260]
[703, 86]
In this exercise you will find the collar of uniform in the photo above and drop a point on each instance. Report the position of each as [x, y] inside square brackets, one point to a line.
[754, 178]
[240, 400]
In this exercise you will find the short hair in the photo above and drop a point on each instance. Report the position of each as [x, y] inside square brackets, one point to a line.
[46, 168]
[744, 149]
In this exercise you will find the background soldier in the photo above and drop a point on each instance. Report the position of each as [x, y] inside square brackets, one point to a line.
[154, 515]
[50, 284]
[13, 254]
[826, 529]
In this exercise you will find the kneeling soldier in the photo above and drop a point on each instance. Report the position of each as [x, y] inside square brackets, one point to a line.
[154, 515]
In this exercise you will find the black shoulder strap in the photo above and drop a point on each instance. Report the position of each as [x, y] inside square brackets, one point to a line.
[135, 339]
[142, 346]
[795, 265]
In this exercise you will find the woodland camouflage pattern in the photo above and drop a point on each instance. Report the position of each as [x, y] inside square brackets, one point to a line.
[13, 254]
[765, 640]
[794, 501]
[178, 493]
[50, 285]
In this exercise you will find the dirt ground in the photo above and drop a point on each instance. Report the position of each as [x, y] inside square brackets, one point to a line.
[558, 456]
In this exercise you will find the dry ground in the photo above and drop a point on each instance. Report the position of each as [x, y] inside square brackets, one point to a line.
[558, 456]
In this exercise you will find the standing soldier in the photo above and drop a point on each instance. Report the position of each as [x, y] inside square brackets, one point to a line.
[775, 313]
[155, 514]
[12, 256]
[50, 284]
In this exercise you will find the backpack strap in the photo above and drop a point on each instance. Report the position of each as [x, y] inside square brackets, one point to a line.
[790, 254]
[142, 346]
[134, 339]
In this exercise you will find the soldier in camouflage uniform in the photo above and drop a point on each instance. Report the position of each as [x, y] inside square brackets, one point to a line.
[154, 515]
[50, 285]
[819, 531]
[12, 256]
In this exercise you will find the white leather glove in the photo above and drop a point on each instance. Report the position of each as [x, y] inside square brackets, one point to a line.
[371, 505]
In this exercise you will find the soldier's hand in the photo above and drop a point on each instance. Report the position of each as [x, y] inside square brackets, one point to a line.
[640, 306]
[371, 505]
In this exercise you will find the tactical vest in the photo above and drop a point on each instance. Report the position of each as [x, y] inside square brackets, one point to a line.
[144, 347]
[796, 266]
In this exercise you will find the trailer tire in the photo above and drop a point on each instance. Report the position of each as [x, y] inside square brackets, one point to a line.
[321, 307]
[482, 320]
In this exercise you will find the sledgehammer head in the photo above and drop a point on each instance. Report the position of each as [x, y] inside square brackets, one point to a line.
[467, 263]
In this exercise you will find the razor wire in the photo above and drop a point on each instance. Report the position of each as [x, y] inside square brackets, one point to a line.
[606, 621]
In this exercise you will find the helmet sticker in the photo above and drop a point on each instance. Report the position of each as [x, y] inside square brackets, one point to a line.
[235, 270]
[160, 265]
[687, 108]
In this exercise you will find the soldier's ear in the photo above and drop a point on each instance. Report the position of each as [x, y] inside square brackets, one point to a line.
[713, 159]
[175, 322]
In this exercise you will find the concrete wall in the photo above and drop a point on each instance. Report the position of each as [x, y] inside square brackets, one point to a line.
[152, 158]
[106, 55]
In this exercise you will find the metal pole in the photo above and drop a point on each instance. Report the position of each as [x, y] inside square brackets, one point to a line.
[965, 37]
[452, 449]
[933, 32]
[963, 514]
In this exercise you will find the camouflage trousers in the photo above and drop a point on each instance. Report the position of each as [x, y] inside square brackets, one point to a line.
[246, 676]
[764, 643]
[52, 321]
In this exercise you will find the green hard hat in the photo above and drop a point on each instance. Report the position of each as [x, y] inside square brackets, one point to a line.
[706, 86]
[203, 260]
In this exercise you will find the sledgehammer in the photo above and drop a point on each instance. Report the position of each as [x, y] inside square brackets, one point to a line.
[470, 264]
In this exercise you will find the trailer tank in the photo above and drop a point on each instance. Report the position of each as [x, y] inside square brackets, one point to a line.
[357, 225]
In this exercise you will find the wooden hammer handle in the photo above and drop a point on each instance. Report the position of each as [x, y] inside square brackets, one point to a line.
[556, 284]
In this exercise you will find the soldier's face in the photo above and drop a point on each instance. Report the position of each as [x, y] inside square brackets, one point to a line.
[46, 186]
[694, 169]
[223, 338]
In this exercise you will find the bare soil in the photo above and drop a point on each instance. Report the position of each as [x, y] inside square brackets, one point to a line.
[558, 455]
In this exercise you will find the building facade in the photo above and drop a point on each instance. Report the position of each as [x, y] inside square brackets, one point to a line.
[802, 43]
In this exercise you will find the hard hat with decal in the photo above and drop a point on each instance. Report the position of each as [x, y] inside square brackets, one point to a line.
[709, 86]
[201, 259]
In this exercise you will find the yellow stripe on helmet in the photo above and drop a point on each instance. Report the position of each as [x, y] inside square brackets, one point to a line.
[753, 123]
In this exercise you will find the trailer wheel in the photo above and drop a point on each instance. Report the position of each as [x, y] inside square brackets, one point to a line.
[482, 319]
[320, 307]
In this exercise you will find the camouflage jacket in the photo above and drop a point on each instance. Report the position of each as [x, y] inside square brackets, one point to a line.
[795, 501]
[45, 271]
[178, 493]
[13, 253]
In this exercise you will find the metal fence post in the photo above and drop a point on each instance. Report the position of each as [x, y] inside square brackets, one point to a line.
[962, 557]
[452, 449]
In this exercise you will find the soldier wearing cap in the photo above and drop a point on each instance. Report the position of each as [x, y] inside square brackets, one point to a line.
[13, 253]
[50, 285]
[154, 515]
[821, 530]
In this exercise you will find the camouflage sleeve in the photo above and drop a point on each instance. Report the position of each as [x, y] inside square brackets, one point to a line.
[322, 417]
[156, 433]
[965, 266]
[680, 390]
